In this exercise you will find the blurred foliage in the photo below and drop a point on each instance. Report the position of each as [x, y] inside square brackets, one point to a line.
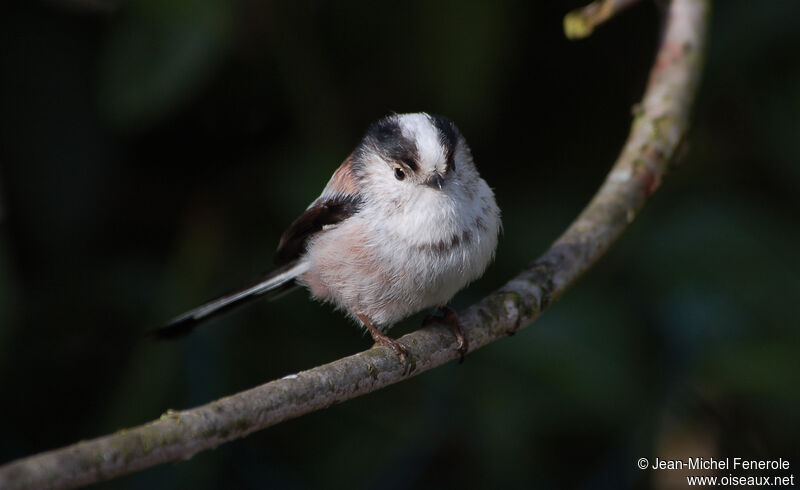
[157, 54]
[152, 152]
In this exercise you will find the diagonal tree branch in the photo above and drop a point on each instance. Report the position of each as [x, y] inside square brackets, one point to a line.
[660, 122]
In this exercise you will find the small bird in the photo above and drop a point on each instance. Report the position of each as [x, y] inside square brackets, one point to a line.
[403, 224]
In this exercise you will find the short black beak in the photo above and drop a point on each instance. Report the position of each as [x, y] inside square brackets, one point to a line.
[436, 181]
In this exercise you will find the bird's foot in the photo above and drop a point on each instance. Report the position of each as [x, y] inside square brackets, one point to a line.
[396, 346]
[450, 318]
[386, 341]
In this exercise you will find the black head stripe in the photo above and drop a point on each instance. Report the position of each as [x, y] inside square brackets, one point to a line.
[448, 136]
[387, 138]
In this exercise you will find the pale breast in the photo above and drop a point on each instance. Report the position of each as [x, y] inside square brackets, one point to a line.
[389, 269]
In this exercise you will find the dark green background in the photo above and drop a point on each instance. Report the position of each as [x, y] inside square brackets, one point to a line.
[153, 152]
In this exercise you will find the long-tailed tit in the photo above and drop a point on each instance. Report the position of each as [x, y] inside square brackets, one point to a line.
[403, 225]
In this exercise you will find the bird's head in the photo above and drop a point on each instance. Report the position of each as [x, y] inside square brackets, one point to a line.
[419, 149]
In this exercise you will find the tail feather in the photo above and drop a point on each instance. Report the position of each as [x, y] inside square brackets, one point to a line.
[273, 283]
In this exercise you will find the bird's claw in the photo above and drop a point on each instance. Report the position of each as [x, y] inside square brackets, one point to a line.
[398, 348]
[450, 318]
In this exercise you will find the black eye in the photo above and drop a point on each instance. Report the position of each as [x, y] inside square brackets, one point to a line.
[399, 174]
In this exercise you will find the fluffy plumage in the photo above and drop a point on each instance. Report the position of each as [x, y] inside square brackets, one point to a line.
[403, 225]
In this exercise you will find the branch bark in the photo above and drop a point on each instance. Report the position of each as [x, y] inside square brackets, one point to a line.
[580, 23]
[661, 120]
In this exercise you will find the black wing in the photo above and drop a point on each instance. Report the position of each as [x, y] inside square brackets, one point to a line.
[338, 202]
[324, 212]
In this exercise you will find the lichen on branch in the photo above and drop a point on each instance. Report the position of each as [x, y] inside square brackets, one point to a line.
[580, 23]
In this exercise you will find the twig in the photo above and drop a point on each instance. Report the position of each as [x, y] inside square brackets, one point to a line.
[660, 122]
[580, 23]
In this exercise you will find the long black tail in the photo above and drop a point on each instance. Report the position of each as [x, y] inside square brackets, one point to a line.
[272, 284]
